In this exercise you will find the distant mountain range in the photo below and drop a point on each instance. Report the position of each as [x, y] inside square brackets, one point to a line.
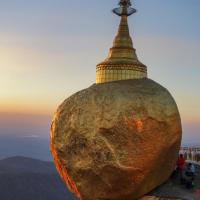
[24, 178]
[28, 146]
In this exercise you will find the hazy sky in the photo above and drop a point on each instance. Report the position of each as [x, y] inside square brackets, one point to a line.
[49, 50]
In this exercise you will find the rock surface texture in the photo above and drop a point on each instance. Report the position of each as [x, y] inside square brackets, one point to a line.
[116, 141]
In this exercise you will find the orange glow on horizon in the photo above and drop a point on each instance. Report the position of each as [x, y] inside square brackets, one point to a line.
[26, 108]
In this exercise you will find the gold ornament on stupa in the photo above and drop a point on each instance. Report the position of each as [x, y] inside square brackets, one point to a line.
[122, 62]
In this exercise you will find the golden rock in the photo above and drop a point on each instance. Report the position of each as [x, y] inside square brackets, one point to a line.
[116, 141]
[120, 138]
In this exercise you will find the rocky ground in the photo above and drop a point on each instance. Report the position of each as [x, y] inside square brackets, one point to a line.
[173, 189]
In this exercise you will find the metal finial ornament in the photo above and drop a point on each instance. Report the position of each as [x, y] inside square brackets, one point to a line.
[125, 2]
[125, 8]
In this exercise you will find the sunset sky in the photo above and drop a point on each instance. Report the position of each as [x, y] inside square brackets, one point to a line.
[49, 50]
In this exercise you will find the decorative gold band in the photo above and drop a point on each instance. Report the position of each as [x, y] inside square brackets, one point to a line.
[109, 75]
[134, 67]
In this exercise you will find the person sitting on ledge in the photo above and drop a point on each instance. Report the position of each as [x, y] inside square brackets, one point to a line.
[190, 174]
[190, 170]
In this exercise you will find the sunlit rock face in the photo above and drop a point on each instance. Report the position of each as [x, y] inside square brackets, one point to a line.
[116, 141]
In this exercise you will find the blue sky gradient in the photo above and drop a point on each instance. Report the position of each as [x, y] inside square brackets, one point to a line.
[49, 50]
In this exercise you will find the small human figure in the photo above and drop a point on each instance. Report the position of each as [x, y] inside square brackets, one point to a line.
[180, 166]
[190, 154]
[190, 173]
[190, 170]
[185, 155]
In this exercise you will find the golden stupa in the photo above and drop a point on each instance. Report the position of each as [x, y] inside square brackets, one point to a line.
[122, 62]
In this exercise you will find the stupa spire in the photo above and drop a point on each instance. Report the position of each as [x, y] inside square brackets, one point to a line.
[122, 62]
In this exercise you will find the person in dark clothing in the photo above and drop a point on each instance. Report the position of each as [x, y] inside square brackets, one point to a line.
[190, 174]
[190, 170]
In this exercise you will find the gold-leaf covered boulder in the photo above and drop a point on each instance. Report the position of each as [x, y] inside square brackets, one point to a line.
[117, 140]
[120, 138]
